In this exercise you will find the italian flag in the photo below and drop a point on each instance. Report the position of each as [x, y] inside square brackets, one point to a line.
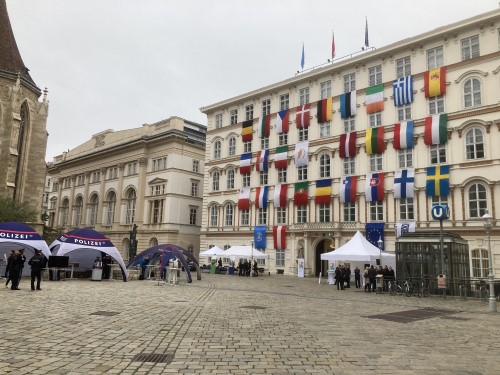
[435, 129]
[300, 196]
[374, 141]
[280, 157]
[375, 98]
[279, 235]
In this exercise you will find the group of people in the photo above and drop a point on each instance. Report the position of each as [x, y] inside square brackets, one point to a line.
[15, 265]
[370, 277]
[245, 267]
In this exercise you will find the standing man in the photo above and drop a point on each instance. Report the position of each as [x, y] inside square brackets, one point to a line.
[357, 277]
[17, 266]
[8, 269]
[36, 263]
[372, 276]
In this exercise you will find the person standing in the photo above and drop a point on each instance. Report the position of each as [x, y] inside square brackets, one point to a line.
[255, 268]
[347, 276]
[17, 266]
[372, 276]
[36, 262]
[357, 277]
[106, 266]
[8, 268]
[339, 278]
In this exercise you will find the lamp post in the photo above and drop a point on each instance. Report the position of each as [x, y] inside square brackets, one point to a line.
[380, 244]
[251, 260]
[488, 224]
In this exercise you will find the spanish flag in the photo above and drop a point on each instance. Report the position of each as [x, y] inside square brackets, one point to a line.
[435, 82]
[375, 141]
[247, 131]
[324, 113]
[323, 191]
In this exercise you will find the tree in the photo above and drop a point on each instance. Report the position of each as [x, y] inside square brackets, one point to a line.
[11, 210]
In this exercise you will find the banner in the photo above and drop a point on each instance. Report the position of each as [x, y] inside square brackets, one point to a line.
[374, 232]
[300, 267]
[259, 236]
[405, 228]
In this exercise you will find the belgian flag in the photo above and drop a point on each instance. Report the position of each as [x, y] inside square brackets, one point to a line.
[247, 131]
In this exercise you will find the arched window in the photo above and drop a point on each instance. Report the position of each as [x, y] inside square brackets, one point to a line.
[217, 148]
[472, 92]
[232, 146]
[230, 179]
[110, 215]
[78, 211]
[131, 199]
[214, 216]
[480, 262]
[94, 205]
[64, 212]
[474, 144]
[324, 166]
[229, 215]
[153, 242]
[477, 200]
[215, 181]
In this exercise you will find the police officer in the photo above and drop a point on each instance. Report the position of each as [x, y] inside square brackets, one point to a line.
[17, 267]
[36, 263]
[9, 268]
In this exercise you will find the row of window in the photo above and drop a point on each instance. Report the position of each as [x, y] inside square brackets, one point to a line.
[435, 58]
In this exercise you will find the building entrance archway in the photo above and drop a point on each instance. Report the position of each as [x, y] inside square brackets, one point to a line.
[323, 246]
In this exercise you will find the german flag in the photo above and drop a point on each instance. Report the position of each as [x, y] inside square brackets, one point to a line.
[324, 113]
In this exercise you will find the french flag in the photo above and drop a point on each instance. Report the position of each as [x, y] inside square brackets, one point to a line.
[348, 189]
[262, 157]
[261, 197]
[403, 135]
[374, 187]
[279, 235]
[246, 163]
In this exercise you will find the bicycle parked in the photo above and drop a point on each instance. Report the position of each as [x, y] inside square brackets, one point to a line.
[395, 288]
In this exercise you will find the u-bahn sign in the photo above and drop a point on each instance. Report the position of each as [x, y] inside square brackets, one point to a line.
[440, 212]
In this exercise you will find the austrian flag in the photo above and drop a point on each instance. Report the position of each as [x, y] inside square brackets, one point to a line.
[279, 235]
[374, 187]
[262, 157]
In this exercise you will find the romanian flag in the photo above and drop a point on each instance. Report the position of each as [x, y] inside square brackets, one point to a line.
[374, 187]
[435, 129]
[435, 82]
[279, 235]
[375, 98]
[348, 104]
[438, 181]
[246, 163]
[280, 195]
[403, 135]
[261, 196]
[302, 117]
[262, 157]
[244, 199]
[348, 145]
[247, 131]
[265, 126]
[348, 189]
[324, 113]
[374, 141]
[282, 121]
[281, 157]
[300, 197]
[323, 191]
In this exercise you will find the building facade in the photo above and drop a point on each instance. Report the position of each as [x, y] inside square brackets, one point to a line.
[369, 142]
[150, 176]
[23, 120]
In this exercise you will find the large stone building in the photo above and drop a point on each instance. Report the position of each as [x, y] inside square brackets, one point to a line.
[150, 176]
[369, 142]
[23, 119]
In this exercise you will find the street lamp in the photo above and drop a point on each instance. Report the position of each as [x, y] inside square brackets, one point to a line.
[380, 244]
[251, 260]
[488, 224]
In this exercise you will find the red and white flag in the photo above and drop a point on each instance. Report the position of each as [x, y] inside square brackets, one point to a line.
[244, 199]
[280, 195]
[279, 234]
[333, 45]
[302, 117]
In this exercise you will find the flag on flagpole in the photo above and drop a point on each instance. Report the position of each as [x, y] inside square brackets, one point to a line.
[280, 195]
[261, 196]
[333, 45]
[367, 43]
[438, 181]
[348, 189]
[262, 157]
[348, 104]
[302, 117]
[435, 129]
[404, 182]
[279, 234]
[244, 199]
[282, 121]
[374, 188]
[303, 59]
[403, 135]
[348, 145]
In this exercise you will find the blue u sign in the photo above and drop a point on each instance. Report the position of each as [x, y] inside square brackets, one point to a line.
[440, 212]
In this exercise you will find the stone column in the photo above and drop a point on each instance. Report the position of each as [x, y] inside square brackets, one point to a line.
[85, 199]
[141, 191]
[119, 195]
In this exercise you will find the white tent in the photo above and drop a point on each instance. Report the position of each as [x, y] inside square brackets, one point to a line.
[358, 249]
[213, 252]
[245, 252]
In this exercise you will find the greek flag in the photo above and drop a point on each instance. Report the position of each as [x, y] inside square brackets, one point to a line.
[403, 90]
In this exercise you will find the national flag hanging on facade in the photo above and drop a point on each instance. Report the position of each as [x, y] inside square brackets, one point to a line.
[282, 121]
[280, 195]
[348, 145]
[281, 157]
[324, 110]
[374, 187]
[323, 191]
[435, 82]
[404, 183]
[438, 181]
[348, 189]
[259, 237]
[435, 132]
[375, 98]
[402, 228]
[301, 154]
[246, 163]
[374, 142]
[265, 126]
[261, 196]
[403, 135]
[374, 233]
[302, 117]
[279, 235]
[300, 197]
[348, 104]
[403, 90]
[244, 199]
[262, 157]
[247, 131]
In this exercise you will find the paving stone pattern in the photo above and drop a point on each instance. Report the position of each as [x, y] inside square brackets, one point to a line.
[238, 325]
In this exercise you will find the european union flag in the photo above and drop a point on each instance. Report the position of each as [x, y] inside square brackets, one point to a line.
[259, 236]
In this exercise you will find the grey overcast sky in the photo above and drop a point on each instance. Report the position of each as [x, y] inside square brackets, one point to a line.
[117, 64]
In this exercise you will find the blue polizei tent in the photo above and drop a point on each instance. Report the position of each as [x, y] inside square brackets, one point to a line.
[162, 254]
[84, 245]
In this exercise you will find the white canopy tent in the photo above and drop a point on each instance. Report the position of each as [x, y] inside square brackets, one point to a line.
[213, 252]
[245, 252]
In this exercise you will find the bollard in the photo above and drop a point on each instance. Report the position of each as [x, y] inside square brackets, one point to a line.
[319, 281]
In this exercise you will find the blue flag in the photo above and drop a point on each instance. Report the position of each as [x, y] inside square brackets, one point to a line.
[374, 232]
[259, 236]
[303, 60]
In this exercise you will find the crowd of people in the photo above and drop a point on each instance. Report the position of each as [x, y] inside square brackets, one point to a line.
[15, 266]
[245, 267]
[343, 277]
